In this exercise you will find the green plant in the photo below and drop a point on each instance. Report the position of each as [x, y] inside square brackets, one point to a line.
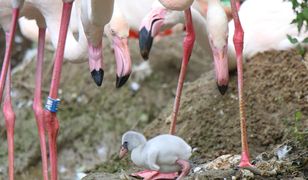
[299, 133]
[300, 7]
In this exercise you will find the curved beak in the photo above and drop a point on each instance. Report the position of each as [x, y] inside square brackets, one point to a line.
[150, 27]
[95, 63]
[221, 68]
[123, 152]
[123, 60]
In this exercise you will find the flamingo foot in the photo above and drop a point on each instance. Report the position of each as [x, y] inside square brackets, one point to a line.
[154, 175]
[245, 160]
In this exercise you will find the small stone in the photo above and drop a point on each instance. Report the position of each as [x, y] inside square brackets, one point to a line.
[197, 169]
[134, 86]
[247, 174]
[283, 151]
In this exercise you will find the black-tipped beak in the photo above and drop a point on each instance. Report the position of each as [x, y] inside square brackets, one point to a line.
[222, 89]
[98, 76]
[145, 43]
[121, 80]
[123, 152]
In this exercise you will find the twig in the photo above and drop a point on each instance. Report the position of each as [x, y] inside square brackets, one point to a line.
[30, 87]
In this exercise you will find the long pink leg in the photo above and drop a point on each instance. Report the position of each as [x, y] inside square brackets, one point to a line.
[10, 40]
[9, 117]
[153, 175]
[50, 118]
[185, 168]
[188, 45]
[238, 44]
[37, 102]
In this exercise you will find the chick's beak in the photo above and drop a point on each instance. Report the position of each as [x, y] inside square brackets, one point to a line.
[123, 152]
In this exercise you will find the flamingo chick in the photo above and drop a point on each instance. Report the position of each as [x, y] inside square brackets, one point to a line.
[163, 155]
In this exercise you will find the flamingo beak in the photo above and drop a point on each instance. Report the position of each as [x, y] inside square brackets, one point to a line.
[149, 28]
[221, 68]
[123, 60]
[123, 151]
[95, 63]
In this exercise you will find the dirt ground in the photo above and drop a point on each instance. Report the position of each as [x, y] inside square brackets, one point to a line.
[92, 119]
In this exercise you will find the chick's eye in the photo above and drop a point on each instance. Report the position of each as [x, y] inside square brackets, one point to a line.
[125, 144]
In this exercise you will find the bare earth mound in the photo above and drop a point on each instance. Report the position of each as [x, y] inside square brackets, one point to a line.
[275, 86]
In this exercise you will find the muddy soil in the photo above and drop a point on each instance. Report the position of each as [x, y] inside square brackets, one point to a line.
[92, 118]
[276, 94]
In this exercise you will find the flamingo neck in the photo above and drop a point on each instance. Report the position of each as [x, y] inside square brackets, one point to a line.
[199, 24]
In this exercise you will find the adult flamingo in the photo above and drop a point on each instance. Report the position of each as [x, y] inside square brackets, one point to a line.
[211, 34]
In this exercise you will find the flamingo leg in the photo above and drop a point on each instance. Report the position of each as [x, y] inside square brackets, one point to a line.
[9, 117]
[188, 45]
[10, 40]
[37, 102]
[238, 44]
[50, 118]
[153, 175]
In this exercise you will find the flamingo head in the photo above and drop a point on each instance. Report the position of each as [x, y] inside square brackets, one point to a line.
[217, 27]
[130, 141]
[149, 28]
[220, 55]
[117, 31]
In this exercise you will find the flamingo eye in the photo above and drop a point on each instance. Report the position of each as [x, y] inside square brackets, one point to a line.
[113, 32]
